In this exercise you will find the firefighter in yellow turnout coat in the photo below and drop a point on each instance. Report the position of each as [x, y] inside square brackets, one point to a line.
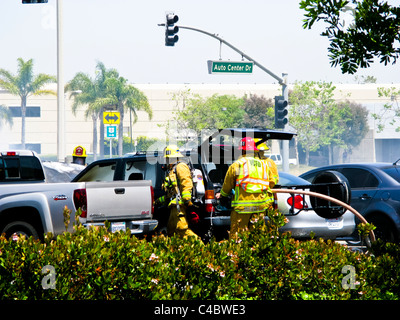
[250, 179]
[178, 188]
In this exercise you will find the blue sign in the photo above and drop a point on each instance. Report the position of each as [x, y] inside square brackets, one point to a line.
[111, 131]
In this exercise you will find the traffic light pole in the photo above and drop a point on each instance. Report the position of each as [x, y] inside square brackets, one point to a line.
[282, 82]
[279, 79]
[285, 143]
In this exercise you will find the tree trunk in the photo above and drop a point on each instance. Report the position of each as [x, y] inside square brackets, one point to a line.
[23, 116]
[101, 134]
[120, 129]
[95, 139]
[330, 154]
[296, 147]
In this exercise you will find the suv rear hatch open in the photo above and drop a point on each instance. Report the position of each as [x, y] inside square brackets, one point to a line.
[216, 153]
[220, 149]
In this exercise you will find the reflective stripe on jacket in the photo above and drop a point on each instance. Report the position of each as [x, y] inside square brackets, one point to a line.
[253, 175]
[250, 178]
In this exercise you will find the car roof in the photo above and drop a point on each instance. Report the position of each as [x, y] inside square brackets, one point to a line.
[18, 152]
[373, 165]
[295, 180]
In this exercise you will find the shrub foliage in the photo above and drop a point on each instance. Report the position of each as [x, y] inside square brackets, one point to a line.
[259, 264]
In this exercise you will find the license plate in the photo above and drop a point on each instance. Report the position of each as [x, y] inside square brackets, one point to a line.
[336, 223]
[118, 226]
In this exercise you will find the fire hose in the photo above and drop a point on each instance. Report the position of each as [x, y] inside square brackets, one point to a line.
[325, 197]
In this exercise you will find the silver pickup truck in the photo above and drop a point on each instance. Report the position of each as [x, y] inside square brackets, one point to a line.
[31, 206]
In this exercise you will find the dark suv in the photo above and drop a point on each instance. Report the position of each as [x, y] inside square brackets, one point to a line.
[375, 193]
[212, 157]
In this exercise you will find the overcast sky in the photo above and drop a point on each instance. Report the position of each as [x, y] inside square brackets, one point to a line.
[124, 35]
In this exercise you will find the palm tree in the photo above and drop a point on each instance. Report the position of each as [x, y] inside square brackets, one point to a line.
[25, 84]
[88, 91]
[5, 115]
[124, 96]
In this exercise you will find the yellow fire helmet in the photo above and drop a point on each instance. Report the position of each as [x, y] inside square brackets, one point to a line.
[172, 151]
[262, 146]
[79, 151]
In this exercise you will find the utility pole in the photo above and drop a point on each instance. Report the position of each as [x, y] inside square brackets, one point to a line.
[60, 88]
[282, 81]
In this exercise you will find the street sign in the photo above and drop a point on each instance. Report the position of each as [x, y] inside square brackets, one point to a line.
[230, 67]
[111, 131]
[112, 117]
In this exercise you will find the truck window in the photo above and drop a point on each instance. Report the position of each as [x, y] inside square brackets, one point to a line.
[141, 170]
[135, 170]
[21, 168]
[100, 172]
[151, 173]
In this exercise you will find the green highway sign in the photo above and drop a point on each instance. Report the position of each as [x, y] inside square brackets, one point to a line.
[230, 67]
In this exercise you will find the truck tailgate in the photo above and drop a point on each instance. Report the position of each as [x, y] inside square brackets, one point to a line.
[118, 200]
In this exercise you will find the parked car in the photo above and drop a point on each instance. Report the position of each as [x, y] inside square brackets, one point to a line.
[212, 159]
[32, 207]
[375, 194]
[302, 218]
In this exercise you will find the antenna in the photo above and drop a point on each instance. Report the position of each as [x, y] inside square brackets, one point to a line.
[395, 163]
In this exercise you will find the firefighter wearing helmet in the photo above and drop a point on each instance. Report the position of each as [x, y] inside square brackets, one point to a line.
[178, 187]
[250, 178]
[79, 155]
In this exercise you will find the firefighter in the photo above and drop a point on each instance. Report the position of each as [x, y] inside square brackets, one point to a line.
[79, 155]
[249, 177]
[178, 187]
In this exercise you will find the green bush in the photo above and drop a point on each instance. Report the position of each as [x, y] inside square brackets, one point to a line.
[261, 264]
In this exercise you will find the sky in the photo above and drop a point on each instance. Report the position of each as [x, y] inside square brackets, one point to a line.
[123, 34]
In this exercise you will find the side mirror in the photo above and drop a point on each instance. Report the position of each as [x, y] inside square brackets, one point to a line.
[333, 184]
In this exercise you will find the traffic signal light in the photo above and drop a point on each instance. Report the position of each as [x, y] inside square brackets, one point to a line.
[171, 29]
[280, 112]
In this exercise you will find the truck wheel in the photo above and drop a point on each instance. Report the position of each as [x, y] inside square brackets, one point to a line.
[20, 228]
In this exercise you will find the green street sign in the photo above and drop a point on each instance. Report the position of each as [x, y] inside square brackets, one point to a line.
[229, 67]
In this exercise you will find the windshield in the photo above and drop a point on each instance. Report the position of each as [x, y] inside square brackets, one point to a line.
[286, 179]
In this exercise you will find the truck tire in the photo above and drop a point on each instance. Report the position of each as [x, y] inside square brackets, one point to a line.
[20, 228]
[341, 191]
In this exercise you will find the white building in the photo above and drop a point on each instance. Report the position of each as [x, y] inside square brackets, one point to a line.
[41, 121]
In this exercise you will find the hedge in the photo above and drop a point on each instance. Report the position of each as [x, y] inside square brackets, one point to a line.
[261, 264]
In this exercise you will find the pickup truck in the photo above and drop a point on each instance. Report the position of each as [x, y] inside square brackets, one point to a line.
[32, 207]
[211, 159]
